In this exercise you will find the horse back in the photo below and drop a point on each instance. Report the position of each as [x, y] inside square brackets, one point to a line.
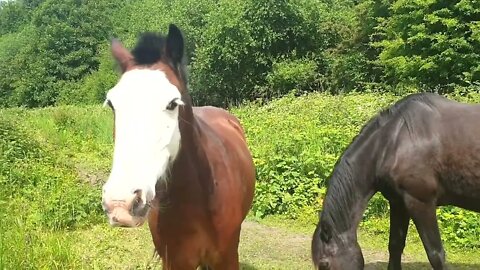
[433, 153]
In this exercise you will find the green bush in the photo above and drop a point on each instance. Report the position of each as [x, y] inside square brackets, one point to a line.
[460, 228]
[288, 75]
[240, 57]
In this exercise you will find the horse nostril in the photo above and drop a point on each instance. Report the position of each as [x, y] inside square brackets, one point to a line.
[137, 201]
[138, 192]
[324, 264]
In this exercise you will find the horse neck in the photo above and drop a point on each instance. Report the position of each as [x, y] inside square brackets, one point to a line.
[350, 188]
[190, 166]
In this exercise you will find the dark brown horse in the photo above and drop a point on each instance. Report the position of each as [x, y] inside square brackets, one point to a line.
[187, 169]
[422, 152]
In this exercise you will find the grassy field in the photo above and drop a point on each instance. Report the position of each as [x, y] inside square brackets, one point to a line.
[271, 243]
[54, 160]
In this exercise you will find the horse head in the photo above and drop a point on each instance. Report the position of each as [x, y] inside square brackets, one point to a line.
[145, 103]
[331, 251]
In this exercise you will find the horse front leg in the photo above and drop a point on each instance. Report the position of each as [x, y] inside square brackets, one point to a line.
[425, 218]
[399, 219]
[178, 263]
[229, 261]
[229, 257]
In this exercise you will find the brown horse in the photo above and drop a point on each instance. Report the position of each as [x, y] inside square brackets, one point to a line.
[187, 169]
[422, 152]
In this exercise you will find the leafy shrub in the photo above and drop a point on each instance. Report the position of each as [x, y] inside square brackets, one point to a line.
[460, 228]
[237, 51]
[351, 71]
[55, 51]
[287, 75]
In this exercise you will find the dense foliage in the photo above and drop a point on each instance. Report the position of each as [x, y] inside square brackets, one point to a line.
[46, 58]
[56, 52]
[435, 44]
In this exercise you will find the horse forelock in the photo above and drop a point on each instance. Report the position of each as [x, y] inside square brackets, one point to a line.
[149, 52]
[149, 48]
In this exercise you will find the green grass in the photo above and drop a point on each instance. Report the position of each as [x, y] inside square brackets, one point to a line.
[272, 243]
[25, 247]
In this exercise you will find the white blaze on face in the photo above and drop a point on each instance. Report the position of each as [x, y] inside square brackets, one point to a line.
[147, 136]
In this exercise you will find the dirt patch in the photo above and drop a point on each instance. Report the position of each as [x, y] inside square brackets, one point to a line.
[276, 246]
[94, 178]
[262, 247]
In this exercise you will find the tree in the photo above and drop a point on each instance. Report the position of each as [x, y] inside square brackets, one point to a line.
[66, 39]
[13, 15]
[434, 44]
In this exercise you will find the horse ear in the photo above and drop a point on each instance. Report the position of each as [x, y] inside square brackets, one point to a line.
[174, 48]
[121, 54]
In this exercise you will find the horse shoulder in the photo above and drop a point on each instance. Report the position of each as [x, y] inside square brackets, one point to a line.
[223, 123]
[231, 162]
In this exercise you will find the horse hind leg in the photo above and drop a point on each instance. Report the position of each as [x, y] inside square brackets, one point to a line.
[399, 220]
[425, 219]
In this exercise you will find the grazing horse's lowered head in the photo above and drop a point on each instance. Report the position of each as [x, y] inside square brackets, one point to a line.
[145, 103]
[334, 243]
[335, 252]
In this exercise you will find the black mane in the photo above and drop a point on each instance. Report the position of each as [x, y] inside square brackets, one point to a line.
[342, 183]
[402, 108]
[149, 48]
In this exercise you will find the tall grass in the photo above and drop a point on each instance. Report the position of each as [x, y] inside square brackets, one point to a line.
[52, 162]
[23, 246]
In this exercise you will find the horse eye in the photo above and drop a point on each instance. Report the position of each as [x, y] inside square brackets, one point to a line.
[172, 105]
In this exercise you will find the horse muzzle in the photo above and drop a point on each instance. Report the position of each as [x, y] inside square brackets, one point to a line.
[126, 213]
